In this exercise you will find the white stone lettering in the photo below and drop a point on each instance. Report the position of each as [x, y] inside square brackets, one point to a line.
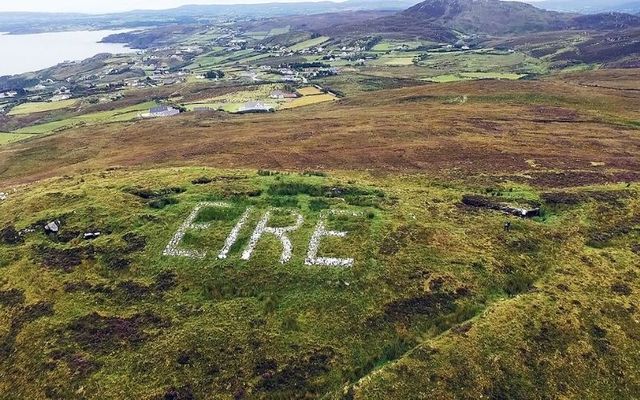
[280, 233]
[173, 249]
[233, 236]
[319, 233]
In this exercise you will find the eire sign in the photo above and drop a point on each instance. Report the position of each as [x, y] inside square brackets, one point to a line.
[261, 229]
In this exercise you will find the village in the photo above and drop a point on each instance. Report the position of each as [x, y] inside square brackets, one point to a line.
[224, 59]
[228, 68]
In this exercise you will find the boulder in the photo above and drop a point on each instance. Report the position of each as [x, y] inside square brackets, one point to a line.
[52, 227]
[91, 235]
[492, 204]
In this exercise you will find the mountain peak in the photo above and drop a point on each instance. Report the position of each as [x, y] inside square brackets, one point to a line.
[489, 16]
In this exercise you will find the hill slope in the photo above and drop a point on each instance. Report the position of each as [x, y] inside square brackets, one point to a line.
[439, 300]
[432, 297]
[485, 16]
[444, 19]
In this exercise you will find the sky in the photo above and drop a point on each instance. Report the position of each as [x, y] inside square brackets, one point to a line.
[101, 6]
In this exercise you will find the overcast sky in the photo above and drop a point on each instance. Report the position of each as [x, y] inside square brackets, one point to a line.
[100, 6]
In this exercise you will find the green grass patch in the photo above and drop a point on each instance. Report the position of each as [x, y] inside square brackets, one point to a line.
[118, 115]
[12, 137]
[434, 286]
[309, 43]
[466, 76]
[35, 107]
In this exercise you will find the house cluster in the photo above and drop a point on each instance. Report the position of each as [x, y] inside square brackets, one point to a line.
[282, 51]
[235, 45]
[63, 93]
[44, 90]
[156, 67]
[8, 95]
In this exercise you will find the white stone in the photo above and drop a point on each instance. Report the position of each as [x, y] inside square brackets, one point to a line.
[173, 249]
[233, 236]
[280, 233]
[52, 226]
[319, 233]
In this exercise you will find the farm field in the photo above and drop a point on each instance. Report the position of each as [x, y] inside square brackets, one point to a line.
[278, 31]
[217, 59]
[35, 107]
[6, 138]
[473, 75]
[308, 100]
[309, 91]
[234, 99]
[398, 61]
[309, 43]
[483, 61]
[119, 115]
[408, 45]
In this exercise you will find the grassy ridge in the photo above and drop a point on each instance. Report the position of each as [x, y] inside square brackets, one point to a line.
[115, 318]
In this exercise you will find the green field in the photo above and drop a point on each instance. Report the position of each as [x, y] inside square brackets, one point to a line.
[385, 46]
[34, 107]
[398, 61]
[309, 43]
[482, 61]
[473, 76]
[11, 137]
[192, 106]
[308, 100]
[408, 45]
[257, 35]
[218, 59]
[279, 31]
[119, 115]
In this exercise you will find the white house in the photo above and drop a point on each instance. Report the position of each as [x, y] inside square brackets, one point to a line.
[255, 107]
[161, 111]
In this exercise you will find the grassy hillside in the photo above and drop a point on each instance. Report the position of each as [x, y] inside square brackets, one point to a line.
[523, 130]
[402, 280]
[440, 298]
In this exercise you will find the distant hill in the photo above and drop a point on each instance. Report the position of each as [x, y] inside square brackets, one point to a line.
[591, 7]
[605, 21]
[442, 20]
[47, 22]
[486, 16]
[279, 9]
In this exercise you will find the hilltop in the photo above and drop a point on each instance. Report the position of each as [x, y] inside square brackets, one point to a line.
[441, 19]
[129, 297]
[485, 16]
[360, 205]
